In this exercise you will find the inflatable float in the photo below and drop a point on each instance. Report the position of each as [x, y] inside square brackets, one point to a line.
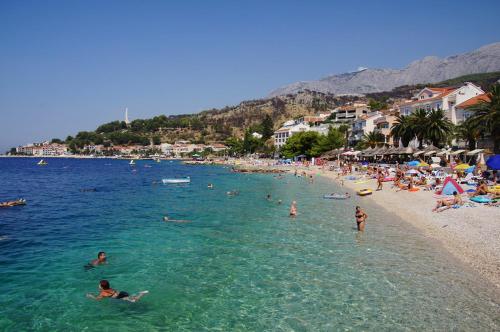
[364, 192]
[335, 196]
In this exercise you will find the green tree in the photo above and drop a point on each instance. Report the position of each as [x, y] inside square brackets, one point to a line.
[487, 114]
[470, 132]
[377, 105]
[56, 140]
[267, 127]
[250, 143]
[402, 129]
[345, 130]
[419, 123]
[302, 143]
[372, 139]
[235, 146]
[438, 127]
[333, 140]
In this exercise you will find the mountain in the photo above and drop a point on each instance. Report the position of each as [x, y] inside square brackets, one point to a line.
[427, 70]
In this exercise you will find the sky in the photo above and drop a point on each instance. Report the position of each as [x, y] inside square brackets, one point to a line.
[68, 66]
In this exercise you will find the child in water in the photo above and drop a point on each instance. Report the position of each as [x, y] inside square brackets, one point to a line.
[106, 291]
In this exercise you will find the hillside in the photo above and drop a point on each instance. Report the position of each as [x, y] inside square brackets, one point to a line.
[217, 125]
[430, 69]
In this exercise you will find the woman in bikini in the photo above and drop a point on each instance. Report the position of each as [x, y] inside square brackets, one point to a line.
[106, 291]
[361, 217]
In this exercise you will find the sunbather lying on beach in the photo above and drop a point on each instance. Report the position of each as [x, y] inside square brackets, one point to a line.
[106, 291]
[482, 189]
[445, 204]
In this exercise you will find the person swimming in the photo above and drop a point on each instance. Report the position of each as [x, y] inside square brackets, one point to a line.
[293, 209]
[101, 259]
[105, 291]
[268, 197]
[210, 186]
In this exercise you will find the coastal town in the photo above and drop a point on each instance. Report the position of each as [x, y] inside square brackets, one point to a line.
[359, 120]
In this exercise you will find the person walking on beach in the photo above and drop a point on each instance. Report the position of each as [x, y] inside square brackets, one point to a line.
[380, 178]
[293, 209]
[361, 217]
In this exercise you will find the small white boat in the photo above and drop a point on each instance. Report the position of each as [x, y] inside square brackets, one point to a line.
[132, 162]
[176, 180]
[42, 163]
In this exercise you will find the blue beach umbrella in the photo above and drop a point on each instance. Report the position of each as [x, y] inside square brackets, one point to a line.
[470, 169]
[493, 162]
[413, 163]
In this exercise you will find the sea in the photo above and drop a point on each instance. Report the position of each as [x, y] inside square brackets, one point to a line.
[238, 263]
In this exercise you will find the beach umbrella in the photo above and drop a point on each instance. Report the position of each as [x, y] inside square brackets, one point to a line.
[435, 166]
[423, 164]
[494, 162]
[413, 163]
[462, 167]
[412, 171]
[470, 169]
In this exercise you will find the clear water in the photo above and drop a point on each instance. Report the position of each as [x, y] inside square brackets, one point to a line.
[241, 264]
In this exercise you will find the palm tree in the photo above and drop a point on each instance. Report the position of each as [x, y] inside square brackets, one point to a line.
[469, 132]
[487, 114]
[373, 138]
[402, 129]
[419, 123]
[438, 127]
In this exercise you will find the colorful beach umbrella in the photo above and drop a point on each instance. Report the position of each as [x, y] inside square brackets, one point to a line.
[423, 164]
[462, 167]
[494, 162]
[413, 163]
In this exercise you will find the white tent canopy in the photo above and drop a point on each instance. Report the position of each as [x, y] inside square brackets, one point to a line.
[454, 153]
[474, 152]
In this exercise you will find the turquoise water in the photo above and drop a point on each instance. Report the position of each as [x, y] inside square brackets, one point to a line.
[241, 264]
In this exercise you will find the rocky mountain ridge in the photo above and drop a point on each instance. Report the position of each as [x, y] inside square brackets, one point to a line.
[430, 69]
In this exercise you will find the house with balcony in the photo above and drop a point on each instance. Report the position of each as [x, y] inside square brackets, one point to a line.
[284, 133]
[442, 98]
[383, 125]
[349, 113]
[363, 125]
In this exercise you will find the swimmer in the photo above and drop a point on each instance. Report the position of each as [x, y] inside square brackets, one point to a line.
[268, 197]
[279, 202]
[233, 193]
[293, 209]
[101, 259]
[210, 186]
[106, 291]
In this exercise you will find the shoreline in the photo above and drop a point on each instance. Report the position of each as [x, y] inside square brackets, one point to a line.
[469, 234]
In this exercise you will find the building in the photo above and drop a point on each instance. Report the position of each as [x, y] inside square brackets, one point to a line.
[383, 125]
[350, 113]
[364, 125]
[284, 133]
[442, 98]
[216, 147]
[43, 149]
[166, 149]
[461, 109]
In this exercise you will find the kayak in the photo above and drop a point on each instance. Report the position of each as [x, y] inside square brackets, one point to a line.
[335, 196]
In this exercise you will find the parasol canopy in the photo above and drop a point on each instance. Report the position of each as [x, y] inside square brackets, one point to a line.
[493, 162]
[462, 167]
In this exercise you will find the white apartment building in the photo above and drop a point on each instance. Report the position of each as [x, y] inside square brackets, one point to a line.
[281, 135]
[350, 113]
[364, 125]
[442, 98]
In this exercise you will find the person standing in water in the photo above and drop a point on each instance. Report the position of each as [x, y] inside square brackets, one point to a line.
[361, 217]
[293, 209]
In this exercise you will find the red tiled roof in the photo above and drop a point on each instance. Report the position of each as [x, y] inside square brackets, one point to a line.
[474, 100]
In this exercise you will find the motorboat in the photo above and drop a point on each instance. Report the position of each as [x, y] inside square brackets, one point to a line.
[42, 163]
[132, 162]
[176, 180]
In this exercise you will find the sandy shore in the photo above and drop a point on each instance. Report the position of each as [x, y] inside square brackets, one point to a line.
[472, 234]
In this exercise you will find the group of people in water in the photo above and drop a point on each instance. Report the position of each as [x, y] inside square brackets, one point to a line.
[105, 290]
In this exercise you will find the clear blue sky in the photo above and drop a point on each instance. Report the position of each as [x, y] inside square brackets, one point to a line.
[67, 66]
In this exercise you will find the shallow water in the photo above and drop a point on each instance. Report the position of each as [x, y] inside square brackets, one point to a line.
[240, 264]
